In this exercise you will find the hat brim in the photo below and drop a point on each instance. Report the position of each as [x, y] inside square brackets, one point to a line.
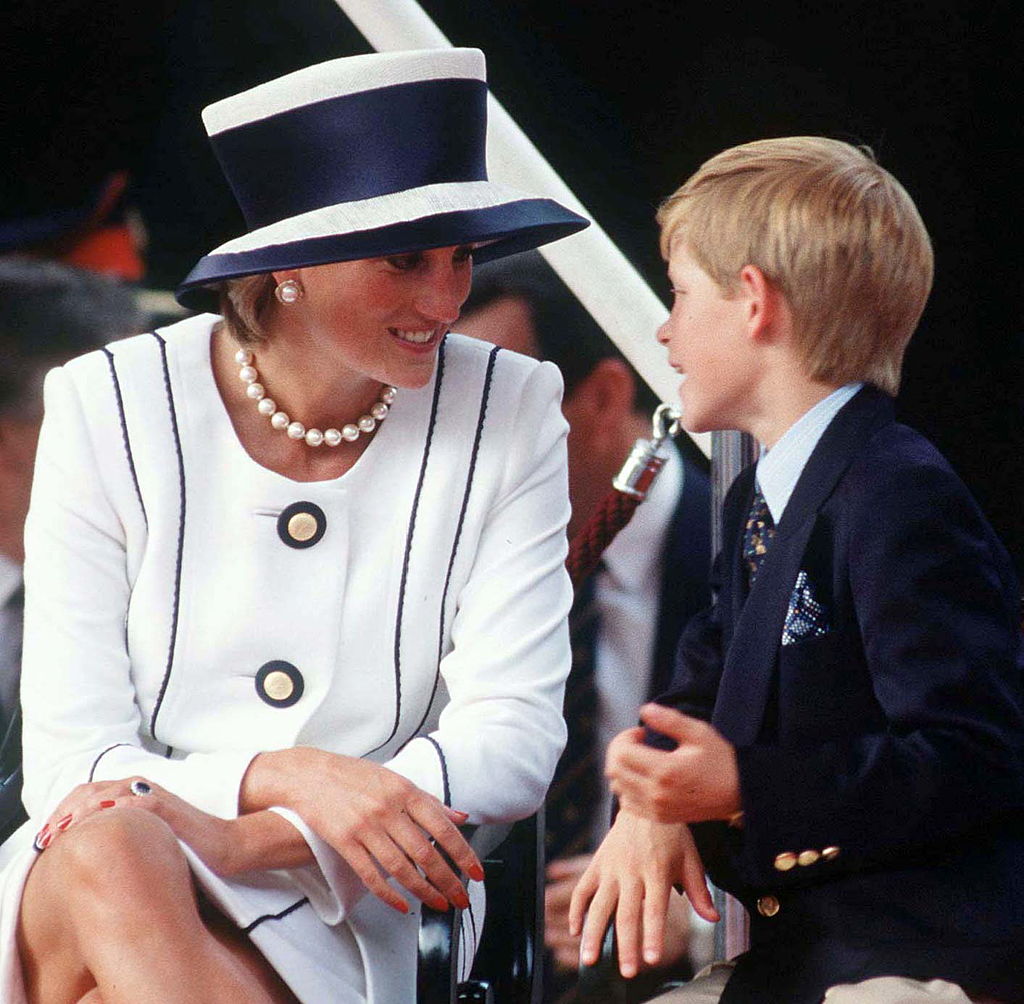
[508, 228]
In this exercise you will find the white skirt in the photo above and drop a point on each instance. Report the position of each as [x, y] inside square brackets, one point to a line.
[369, 957]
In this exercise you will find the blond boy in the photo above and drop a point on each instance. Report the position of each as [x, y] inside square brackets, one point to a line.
[841, 748]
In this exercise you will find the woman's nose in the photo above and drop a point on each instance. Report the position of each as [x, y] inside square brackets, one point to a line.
[662, 333]
[443, 293]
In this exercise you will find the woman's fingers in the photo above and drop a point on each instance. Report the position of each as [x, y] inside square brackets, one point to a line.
[82, 802]
[431, 816]
[366, 868]
[428, 861]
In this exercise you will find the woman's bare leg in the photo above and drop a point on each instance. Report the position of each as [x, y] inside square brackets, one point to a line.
[109, 910]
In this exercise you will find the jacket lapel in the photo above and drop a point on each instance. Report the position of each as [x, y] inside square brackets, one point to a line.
[757, 624]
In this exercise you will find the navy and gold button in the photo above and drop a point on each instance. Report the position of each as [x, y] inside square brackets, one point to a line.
[279, 683]
[301, 524]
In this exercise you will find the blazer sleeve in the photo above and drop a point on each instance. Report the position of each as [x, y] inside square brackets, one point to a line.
[500, 735]
[81, 721]
[935, 606]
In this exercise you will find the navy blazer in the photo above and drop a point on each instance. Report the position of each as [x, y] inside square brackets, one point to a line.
[880, 754]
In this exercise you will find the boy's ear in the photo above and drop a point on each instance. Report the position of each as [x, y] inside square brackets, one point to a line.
[766, 305]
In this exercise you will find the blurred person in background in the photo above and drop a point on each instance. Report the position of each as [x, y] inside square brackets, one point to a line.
[49, 313]
[627, 619]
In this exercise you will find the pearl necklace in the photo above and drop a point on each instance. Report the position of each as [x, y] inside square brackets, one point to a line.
[296, 430]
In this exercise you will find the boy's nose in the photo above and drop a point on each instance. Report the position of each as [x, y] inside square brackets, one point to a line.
[662, 334]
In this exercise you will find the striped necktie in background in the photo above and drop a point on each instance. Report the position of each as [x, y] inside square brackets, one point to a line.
[576, 788]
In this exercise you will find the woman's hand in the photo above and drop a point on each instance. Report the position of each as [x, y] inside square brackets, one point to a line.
[631, 876]
[227, 846]
[379, 822]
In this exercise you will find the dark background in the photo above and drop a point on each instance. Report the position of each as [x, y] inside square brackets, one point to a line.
[626, 100]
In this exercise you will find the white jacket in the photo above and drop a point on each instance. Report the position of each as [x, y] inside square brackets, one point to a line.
[425, 629]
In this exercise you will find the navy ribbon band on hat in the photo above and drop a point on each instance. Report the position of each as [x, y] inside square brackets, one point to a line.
[357, 146]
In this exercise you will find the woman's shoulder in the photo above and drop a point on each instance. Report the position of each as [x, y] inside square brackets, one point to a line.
[150, 352]
[504, 367]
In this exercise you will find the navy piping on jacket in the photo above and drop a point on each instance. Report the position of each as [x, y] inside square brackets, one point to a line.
[96, 762]
[124, 431]
[181, 535]
[408, 549]
[472, 924]
[275, 916]
[484, 398]
[444, 769]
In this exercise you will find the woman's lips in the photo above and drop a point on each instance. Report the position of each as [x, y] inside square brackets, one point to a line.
[417, 339]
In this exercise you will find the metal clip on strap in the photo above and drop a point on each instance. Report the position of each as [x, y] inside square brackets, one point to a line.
[646, 459]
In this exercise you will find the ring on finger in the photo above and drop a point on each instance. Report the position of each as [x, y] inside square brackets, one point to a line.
[140, 788]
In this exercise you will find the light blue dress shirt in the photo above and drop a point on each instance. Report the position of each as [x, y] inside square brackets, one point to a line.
[779, 468]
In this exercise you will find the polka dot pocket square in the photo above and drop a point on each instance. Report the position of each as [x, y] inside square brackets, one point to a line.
[806, 616]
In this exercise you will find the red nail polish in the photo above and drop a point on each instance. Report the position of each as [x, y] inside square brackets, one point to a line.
[107, 803]
[45, 842]
[63, 824]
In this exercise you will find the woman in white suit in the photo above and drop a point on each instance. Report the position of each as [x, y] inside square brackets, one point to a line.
[295, 596]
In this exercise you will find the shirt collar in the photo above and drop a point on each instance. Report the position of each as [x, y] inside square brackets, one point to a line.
[633, 557]
[779, 468]
[10, 579]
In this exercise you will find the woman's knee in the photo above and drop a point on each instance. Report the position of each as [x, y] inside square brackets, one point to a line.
[119, 854]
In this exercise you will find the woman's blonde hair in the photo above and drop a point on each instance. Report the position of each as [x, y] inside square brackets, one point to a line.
[830, 228]
[242, 304]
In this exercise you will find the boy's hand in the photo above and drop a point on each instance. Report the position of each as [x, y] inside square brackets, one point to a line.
[631, 876]
[693, 783]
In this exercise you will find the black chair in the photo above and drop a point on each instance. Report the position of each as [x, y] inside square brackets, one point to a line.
[12, 812]
[507, 968]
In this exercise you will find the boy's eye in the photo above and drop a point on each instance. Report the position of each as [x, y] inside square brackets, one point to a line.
[463, 254]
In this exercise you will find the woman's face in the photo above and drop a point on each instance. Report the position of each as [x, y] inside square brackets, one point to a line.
[385, 317]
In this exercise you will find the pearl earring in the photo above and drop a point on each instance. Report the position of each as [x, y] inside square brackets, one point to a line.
[288, 291]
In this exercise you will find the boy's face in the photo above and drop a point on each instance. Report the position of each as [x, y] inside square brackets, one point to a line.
[706, 339]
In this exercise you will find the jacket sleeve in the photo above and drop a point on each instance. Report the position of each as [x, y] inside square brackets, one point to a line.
[501, 733]
[81, 721]
[935, 606]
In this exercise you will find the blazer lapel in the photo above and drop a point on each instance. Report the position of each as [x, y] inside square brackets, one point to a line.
[757, 624]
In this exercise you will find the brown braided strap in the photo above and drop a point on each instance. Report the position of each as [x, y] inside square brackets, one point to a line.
[613, 512]
[630, 488]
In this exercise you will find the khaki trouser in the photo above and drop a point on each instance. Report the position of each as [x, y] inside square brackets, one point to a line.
[707, 986]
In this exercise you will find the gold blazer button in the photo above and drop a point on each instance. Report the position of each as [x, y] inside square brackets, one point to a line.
[302, 524]
[785, 861]
[768, 906]
[806, 858]
[279, 684]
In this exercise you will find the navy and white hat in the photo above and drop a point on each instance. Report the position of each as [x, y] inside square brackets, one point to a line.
[365, 156]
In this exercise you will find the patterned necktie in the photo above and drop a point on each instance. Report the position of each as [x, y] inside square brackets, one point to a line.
[576, 788]
[757, 536]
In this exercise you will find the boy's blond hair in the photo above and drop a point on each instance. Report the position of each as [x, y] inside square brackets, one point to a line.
[837, 234]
